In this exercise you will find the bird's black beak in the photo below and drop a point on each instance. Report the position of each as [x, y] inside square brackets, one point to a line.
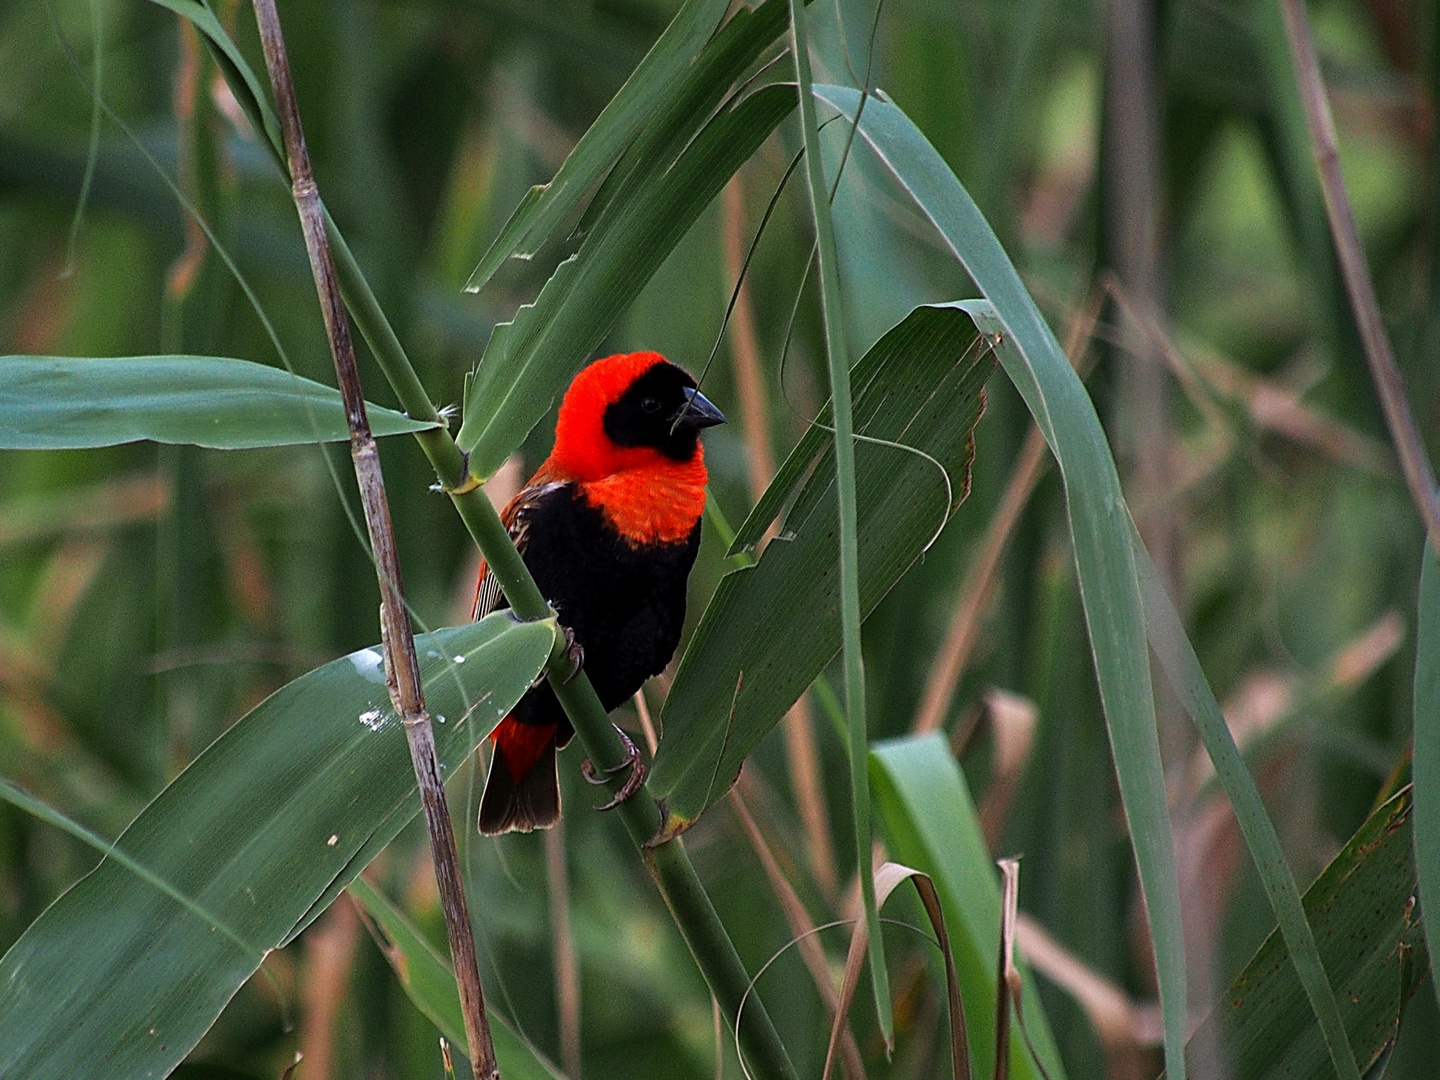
[697, 413]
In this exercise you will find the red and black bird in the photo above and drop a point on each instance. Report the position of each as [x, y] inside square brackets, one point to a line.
[609, 526]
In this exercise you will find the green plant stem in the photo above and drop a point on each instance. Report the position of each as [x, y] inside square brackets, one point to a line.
[838, 355]
[378, 333]
[668, 862]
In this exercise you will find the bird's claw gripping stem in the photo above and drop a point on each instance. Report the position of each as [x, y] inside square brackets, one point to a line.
[632, 762]
[574, 651]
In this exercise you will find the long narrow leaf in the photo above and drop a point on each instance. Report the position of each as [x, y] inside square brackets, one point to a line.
[888, 876]
[429, 981]
[246, 86]
[1182, 667]
[837, 355]
[1363, 911]
[930, 823]
[66, 402]
[38, 808]
[263, 830]
[529, 361]
[1099, 523]
[1427, 742]
[689, 105]
[644, 92]
[772, 627]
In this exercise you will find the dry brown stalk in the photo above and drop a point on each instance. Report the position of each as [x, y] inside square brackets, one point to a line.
[804, 762]
[745, 349]
[402, 668]
[979, 587]
[64, 583]
[1013, 721]
[329, 959]
[1124, 1027]
[181, 276]
[1270, 405]
[567, 963]
[1389, 383]
[1007, 978]
[647, 725]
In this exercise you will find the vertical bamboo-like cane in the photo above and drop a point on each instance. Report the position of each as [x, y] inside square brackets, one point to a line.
[402, 668]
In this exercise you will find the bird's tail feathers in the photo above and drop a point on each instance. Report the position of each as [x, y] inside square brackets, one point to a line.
[522, 790]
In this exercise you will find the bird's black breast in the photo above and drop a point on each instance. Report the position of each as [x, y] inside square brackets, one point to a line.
[625, 602]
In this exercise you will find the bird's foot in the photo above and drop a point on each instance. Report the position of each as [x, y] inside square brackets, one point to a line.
[632, 762]
[574, 651]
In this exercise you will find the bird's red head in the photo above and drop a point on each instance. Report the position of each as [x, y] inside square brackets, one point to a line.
[628, 431]
[630, 411]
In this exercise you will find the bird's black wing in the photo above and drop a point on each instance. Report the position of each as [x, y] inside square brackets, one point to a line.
[516, 517]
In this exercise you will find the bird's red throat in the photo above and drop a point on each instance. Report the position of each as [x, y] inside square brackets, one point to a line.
[657, 504]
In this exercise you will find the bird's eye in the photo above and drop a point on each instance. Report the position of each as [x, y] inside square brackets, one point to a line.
[650, 405]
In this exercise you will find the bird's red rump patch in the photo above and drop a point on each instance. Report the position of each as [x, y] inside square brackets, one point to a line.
[522, 743]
